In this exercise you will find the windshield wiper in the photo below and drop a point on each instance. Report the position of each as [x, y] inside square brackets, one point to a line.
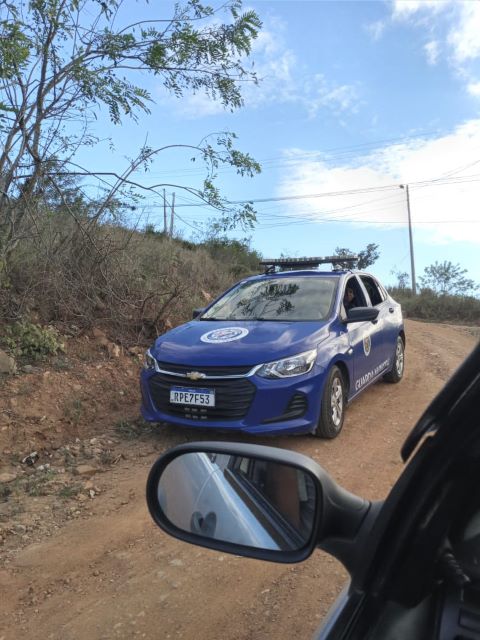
[229, 319]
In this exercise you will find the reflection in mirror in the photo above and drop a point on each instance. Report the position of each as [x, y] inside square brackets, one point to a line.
[238, 499]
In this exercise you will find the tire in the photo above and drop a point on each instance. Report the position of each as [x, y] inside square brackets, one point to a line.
[396, 373]
[332, 409]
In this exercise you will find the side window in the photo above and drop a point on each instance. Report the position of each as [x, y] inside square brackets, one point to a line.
[383, 291]
[375, 294]
[353, 295]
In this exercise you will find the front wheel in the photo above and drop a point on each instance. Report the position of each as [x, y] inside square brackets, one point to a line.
[396, 373]
[332, 410]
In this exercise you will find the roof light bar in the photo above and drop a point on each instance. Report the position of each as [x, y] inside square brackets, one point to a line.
[289, 263]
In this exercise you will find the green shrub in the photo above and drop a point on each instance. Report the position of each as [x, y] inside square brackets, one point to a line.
[74, 410]
[234, 255]
[146, 282]
[5, 491]
[428, 305]
[32, 341]
[130, 430]
[37, 485]
[70, 490]
[127, 430]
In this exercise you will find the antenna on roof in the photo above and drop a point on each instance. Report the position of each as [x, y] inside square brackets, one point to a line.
[287, 264]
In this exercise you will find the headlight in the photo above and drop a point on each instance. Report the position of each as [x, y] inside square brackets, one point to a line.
[289, 367]
[148, 361]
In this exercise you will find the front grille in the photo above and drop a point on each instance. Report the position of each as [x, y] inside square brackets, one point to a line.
[209, 371]
[232, 398]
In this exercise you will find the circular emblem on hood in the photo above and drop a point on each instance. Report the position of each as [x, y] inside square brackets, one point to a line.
[229, 334]
[367, 345]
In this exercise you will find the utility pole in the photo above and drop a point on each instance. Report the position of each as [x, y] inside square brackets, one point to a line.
[412, 258]
[172, 214]
[164, 213]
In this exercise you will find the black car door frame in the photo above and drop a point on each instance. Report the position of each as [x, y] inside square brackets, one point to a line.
[398, 560]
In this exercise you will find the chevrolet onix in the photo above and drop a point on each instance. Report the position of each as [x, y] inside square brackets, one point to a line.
[282, 352]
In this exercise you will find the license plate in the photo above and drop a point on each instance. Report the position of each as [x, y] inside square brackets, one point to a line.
[195, 397]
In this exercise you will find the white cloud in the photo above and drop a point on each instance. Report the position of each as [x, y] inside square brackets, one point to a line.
[463, 27]
[319, 93]
[276, 67]
[474, 89]
[457, 22]
[420, 13]
[447, 208]
[198, 105]
[432, 51]
[376, 29]
[404, 9]
[282, 80]
[464, 36]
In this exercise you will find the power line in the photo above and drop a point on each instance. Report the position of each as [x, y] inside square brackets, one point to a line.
[324, 154]
[274, 199]
[378, 223]
[331, 194]
[280, 219]
[312, 217]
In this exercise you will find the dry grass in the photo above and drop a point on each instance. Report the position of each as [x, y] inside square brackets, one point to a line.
[134, 284]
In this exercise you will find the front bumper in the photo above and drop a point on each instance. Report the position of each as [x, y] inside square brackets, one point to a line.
[250, 404]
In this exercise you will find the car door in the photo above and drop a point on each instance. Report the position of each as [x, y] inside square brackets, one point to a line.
[417, 569]
[383, 346]
[365, 342]
[393, 326]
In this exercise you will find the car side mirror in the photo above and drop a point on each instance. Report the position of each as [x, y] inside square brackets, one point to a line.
[197, 312]
[361, 314]
[253, 501]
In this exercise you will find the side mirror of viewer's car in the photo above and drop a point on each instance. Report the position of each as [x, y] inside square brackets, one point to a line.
[361, 314]
[197, 312]
[254, 501]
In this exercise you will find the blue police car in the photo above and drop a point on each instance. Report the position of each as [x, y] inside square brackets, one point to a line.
[282, 352]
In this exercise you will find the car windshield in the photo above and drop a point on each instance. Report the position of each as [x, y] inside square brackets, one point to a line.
[290, 299]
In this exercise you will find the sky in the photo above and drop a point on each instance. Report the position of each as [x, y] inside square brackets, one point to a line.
[355, 100]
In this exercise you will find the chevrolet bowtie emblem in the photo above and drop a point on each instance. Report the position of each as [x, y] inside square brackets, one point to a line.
[195, 375]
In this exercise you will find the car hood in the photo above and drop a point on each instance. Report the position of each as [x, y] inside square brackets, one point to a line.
[211, 343]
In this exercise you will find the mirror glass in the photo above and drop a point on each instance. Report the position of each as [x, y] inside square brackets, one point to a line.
[241, 500]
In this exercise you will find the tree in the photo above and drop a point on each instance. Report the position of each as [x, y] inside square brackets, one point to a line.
[63, 60]
[446, 278]
[366, 257]
[403, 278]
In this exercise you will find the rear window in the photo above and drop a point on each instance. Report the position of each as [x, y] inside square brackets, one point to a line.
[374, 291]
[283, 299]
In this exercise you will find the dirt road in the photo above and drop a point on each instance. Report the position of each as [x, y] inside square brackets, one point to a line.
[105, 571]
